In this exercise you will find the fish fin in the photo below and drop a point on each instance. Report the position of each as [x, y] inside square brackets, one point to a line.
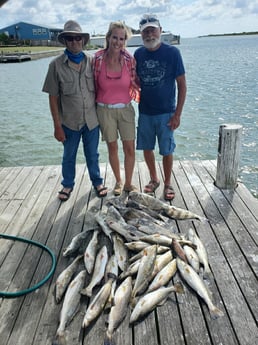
[133, 302]
[207, 274]
[162, 302]
[215, 313]
[81, 335]
[112, 275]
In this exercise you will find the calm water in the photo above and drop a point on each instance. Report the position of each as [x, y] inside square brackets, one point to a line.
[222, 83]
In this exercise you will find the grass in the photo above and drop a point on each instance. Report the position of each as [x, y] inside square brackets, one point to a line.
[27, 49]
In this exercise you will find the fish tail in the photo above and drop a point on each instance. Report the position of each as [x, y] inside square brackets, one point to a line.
[179, 288]
[207, 274]
[215, 313]
[108, 340]
[86, 292]
[60, 339]
[203, 220]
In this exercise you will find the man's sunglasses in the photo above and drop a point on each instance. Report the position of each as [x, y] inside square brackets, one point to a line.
[148, 20]
[73, 38]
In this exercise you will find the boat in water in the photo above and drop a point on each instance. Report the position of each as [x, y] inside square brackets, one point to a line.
[136, 40]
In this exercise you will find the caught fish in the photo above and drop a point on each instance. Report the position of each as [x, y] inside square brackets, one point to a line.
[121, 252]
[98, 272]
[116, 202]
[129, 232]
[119, 309]
[98, 303]
[70, 306]
[65, 277]
[113, 212]
[101, 220]
[197, 284]
[158, 205]
[136, 246]
[144, 271]
[139, 206]
[131, 270]
[178, 250]
[112, 267]
[192, 258]
[76, 242]
[151, 300]
[163, 276]
[90, 252]
[130, 213]
[160, 250]
[201, 252]
[157, 239]
[160, 262]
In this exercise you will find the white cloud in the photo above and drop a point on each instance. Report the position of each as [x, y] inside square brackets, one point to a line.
[185, 17]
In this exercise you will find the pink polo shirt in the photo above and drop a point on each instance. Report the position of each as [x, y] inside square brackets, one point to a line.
[113, 87]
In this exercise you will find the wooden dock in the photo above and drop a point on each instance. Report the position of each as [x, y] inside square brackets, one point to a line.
[29, 207]
[14, 58]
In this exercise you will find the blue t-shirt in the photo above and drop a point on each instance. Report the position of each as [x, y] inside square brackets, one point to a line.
[158, 71]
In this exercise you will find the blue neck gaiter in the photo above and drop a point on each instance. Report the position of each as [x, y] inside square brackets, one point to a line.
[76, 58]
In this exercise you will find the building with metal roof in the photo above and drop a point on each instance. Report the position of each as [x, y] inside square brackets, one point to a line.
[25, 31]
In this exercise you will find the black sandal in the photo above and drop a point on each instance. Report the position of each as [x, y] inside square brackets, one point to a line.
[65, 194]
[100, 190]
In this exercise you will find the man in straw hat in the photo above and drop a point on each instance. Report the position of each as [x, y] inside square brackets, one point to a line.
[69, 83]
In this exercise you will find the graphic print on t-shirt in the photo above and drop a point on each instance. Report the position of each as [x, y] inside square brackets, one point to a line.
[152, 72]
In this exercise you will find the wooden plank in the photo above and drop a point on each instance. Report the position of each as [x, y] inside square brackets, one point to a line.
[8, 175]
[31, 208]
[190, 308]
[242, 257]
[65, 226]
[28, 271]
[224, 275]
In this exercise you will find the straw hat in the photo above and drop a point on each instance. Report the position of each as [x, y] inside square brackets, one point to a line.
[72, 28]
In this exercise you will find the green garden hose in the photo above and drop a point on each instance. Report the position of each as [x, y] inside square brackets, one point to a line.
[43, 281]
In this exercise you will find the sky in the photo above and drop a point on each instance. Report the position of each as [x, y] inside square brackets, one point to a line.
[187, 18]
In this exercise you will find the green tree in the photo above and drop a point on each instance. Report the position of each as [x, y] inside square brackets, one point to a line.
[4, 39]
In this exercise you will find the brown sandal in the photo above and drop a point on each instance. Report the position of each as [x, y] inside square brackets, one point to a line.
[131, 188]
[151, 187]
[169, 193]
[118, 189]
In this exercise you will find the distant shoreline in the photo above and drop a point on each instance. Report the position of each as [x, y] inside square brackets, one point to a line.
[231, 34]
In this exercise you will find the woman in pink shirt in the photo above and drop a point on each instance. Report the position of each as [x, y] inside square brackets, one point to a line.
[115, 82]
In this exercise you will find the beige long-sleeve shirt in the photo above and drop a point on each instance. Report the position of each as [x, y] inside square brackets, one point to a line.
[75, 91]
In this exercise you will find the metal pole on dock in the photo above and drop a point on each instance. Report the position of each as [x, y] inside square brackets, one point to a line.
[228, 156]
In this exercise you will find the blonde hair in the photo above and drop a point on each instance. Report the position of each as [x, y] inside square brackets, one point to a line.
[117, 25]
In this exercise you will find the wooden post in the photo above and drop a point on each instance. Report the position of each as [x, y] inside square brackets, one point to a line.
[228, 156]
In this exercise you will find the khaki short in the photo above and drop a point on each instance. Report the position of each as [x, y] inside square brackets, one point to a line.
[115, 122]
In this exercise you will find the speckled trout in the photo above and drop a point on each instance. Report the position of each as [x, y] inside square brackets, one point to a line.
[119, 309]
[158, 205]
[65, 277]
[70, 306]
[152, 299]
[196, 283]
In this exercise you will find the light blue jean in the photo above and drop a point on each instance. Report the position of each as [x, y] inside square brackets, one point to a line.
[151, 127]
[90, 140]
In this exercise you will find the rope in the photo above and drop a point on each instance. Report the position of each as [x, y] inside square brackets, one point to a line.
[43, 281]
